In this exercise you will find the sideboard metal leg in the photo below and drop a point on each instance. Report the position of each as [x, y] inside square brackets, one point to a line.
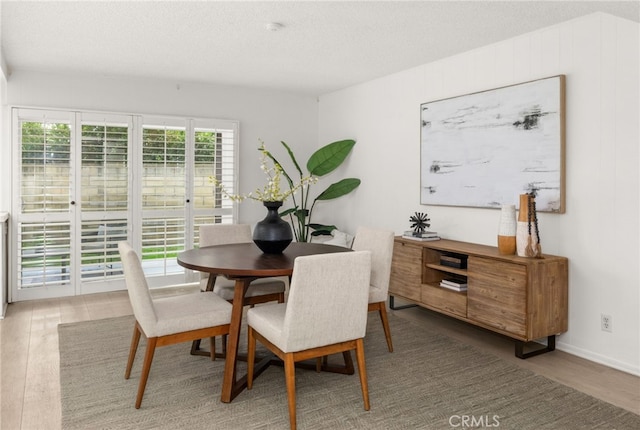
[395, 308]
[551, 346]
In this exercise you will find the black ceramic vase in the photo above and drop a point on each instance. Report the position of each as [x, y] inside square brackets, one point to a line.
[273, 234]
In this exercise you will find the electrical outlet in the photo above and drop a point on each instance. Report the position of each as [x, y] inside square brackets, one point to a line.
[606, 322]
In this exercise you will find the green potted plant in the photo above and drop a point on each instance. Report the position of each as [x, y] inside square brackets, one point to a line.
[322, 162]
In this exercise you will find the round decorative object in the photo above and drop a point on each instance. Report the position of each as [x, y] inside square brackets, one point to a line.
[419, 222]
[273, 234]
[507, 230]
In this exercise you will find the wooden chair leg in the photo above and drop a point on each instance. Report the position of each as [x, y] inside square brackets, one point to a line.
[135, 339]
[290, 379]
[382, 310]
[195, 347]
[212, 348]
[348, 362]
[251, 356]
[362, 372]
[146, 366]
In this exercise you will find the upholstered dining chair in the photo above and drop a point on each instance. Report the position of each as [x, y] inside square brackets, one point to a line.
[168, 320]
[325, 313]
[261, 290]
[380, 243]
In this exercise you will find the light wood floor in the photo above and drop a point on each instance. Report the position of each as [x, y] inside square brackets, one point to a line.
[30, 386]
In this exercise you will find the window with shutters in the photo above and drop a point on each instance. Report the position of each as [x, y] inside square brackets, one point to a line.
[43, 233]
[215, 155]
[89, 180]
[164, 195]
[105, 193]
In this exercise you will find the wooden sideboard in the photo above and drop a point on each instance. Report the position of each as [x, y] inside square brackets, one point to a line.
[523, 298]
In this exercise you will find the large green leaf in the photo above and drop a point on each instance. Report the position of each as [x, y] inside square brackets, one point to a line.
[329, 157]
[288, 211]
[293, 158]
[321, 229]
[302, 215]
[339, 189]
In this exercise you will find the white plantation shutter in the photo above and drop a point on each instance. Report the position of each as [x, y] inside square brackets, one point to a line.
[42, 243]
[89, 180]
[215, 149]
[44, 254]
[179, 160]
[164, 194]
[45, 149]
[105, 160]
[104, 146]
[164, 167]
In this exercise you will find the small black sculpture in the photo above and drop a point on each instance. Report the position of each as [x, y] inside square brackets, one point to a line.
[420, 222]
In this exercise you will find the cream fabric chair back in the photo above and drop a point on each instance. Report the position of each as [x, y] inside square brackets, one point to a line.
[380, 243]
[327, 300]
[221, 234]
[138, 289]
[262, 290]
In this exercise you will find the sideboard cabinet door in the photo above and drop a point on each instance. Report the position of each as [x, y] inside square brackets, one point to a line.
[406, 271]
[497, 295]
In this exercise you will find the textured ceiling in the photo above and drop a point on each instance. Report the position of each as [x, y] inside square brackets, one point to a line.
[324, 46]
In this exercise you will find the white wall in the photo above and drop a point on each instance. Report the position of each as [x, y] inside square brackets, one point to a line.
[271, 116]
[599, 231]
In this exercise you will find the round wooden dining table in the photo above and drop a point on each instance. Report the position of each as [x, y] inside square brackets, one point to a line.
[243, 263]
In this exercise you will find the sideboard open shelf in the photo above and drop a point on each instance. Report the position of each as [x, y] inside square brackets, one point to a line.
[523, 298]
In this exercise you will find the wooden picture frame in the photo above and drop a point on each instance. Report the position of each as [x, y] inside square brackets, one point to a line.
[485, 149]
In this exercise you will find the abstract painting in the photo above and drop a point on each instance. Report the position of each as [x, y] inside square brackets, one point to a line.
[485, 149]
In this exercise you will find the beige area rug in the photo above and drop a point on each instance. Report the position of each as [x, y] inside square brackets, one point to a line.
[430, 381]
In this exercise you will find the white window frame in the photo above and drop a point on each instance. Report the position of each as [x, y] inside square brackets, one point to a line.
[135, 192]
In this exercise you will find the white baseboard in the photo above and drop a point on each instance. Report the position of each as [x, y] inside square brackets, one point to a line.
[601, 359]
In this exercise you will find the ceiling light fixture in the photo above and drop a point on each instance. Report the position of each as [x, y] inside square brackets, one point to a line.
[274, 26]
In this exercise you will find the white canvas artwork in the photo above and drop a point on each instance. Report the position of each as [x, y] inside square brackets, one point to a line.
[487, 148]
